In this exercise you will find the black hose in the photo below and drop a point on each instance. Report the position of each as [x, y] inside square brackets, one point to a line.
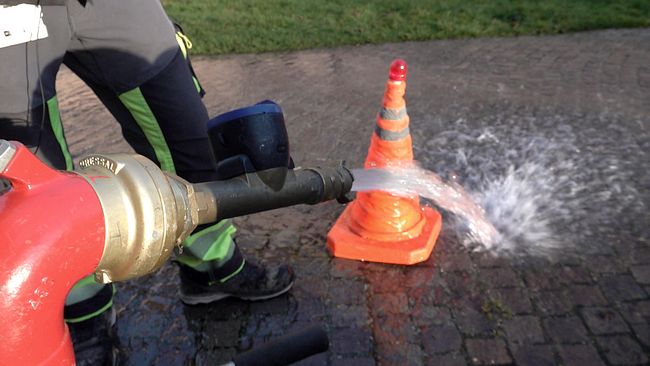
[248, 194]
[287, 349]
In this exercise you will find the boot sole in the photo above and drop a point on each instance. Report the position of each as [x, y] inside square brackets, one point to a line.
[197, 300]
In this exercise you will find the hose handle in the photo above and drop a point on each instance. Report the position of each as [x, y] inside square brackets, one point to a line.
[21, 168]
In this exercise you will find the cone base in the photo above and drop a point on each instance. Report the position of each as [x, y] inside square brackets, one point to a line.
[343, 243]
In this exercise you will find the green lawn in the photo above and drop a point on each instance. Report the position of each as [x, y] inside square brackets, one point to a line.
[239, 26]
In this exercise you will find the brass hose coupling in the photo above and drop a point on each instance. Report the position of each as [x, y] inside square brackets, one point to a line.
[147, 213]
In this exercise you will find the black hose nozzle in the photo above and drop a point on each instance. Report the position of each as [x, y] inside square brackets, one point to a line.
[249, 194]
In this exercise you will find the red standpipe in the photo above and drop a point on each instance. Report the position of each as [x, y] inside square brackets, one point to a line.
[52, 234]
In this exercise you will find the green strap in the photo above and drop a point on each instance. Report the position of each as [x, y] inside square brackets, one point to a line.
[57, 127]
[93, 314]
[184, 44]
[232, 274]
[144, 117]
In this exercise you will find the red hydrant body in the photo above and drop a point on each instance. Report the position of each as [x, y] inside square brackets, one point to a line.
[52, 234]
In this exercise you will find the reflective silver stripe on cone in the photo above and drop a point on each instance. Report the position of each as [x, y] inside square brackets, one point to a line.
[387, 135]
[391, 114]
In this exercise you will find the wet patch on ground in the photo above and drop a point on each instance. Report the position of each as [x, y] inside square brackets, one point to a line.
[460, 307]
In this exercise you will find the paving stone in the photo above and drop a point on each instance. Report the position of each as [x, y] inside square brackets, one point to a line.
[346, 341]
[534, 355]
[387, 354]
[636, 254]
[251, 242]
[284, 239]
[641, 274]
[310, 267]
[621, 288]
[472, 322]
[384, 280]
[414, 355]
[566, 330]
[353, 361]
[489, 260]
[636, 312]
[514, 299]
[310, 308]
[462, 286]
[422, 277]
[450, 359]
[487, 351]
[275, 306]
[580, 355]
[315, 360]
[622, 350]
[455, 261]
[389, 304]
[499, 277]
[432, 295]
[605, 264]
[208, 357]
[587, 295]
[642, 333]
[541, 280]
[312, 286]
[573, 275]
[426, 315]
[350, 292]
[553, 302]
[603, 321]
[344, 268]
[392, 340]
[447, 243]
[441, 339]
[221, 334]
[395, 331]
[523, 329]
[348, 315]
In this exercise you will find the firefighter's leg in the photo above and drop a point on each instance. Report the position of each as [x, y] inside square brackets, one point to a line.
[162, 117]
[29, 113]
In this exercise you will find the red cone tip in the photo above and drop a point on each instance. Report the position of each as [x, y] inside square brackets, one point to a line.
[398, 70]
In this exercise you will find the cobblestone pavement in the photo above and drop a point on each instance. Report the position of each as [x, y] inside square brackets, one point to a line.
[588, 307]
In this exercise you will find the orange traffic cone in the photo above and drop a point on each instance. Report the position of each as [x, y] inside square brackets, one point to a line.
[379, 226]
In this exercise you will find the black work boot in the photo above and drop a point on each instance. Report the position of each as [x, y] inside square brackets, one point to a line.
[94, 339]
[253, 282]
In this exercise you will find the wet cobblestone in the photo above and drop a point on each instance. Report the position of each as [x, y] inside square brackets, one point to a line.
[590, 307]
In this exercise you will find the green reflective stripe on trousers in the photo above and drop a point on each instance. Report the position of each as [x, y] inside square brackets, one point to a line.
[93, 314]
[139, 109]
[196, 84]
[188, 259]
[211, 244]
[57, 127]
